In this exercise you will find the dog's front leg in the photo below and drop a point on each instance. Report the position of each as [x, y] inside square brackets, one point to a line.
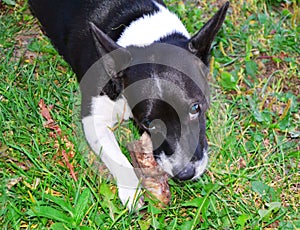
[102, 140]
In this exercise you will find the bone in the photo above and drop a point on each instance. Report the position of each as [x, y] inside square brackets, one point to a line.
[152, 177]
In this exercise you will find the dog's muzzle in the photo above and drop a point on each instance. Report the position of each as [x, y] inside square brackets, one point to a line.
[194, 169]
[189, 171]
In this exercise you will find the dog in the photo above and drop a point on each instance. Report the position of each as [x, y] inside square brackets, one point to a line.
[150, 69]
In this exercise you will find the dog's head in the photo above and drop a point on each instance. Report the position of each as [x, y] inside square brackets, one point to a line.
[165, 86]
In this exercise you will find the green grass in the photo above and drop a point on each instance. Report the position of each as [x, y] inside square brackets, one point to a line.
[253, 130]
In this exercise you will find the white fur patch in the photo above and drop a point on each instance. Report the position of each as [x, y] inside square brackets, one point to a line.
[109, 110]
[165, 164]
[104, 114]
[151, 28]
[200, 166]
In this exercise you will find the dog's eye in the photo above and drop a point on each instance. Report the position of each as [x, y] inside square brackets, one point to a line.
[148, 124]
[194, 111]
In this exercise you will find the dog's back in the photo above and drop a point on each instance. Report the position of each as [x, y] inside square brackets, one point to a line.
[65, 22]
[56, 21]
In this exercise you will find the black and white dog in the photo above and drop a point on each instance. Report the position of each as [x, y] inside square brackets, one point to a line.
[149, 69]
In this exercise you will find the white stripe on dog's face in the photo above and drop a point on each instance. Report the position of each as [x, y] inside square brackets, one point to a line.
[151, 28]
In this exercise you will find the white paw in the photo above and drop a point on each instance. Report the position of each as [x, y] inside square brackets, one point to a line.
[131, 197]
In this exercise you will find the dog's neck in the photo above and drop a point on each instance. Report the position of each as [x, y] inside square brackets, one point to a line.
[150, 28]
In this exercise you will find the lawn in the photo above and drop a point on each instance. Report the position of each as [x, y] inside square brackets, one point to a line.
[253, 179]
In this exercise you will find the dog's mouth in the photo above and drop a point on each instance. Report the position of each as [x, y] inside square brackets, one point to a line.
[188, 171]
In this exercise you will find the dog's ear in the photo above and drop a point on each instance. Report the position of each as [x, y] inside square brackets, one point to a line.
[114, 57]
[200, 44]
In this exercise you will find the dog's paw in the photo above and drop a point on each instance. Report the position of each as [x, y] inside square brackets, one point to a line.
[131, 198]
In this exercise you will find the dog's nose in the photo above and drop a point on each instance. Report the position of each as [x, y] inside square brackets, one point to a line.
[186, 173]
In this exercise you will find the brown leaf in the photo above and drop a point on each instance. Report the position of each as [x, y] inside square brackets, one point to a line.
[45, 111]
[242, 163]
[50, 124]
[13, 182]
[70, 167]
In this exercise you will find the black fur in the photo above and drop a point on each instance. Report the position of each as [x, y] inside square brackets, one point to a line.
[69, 29]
